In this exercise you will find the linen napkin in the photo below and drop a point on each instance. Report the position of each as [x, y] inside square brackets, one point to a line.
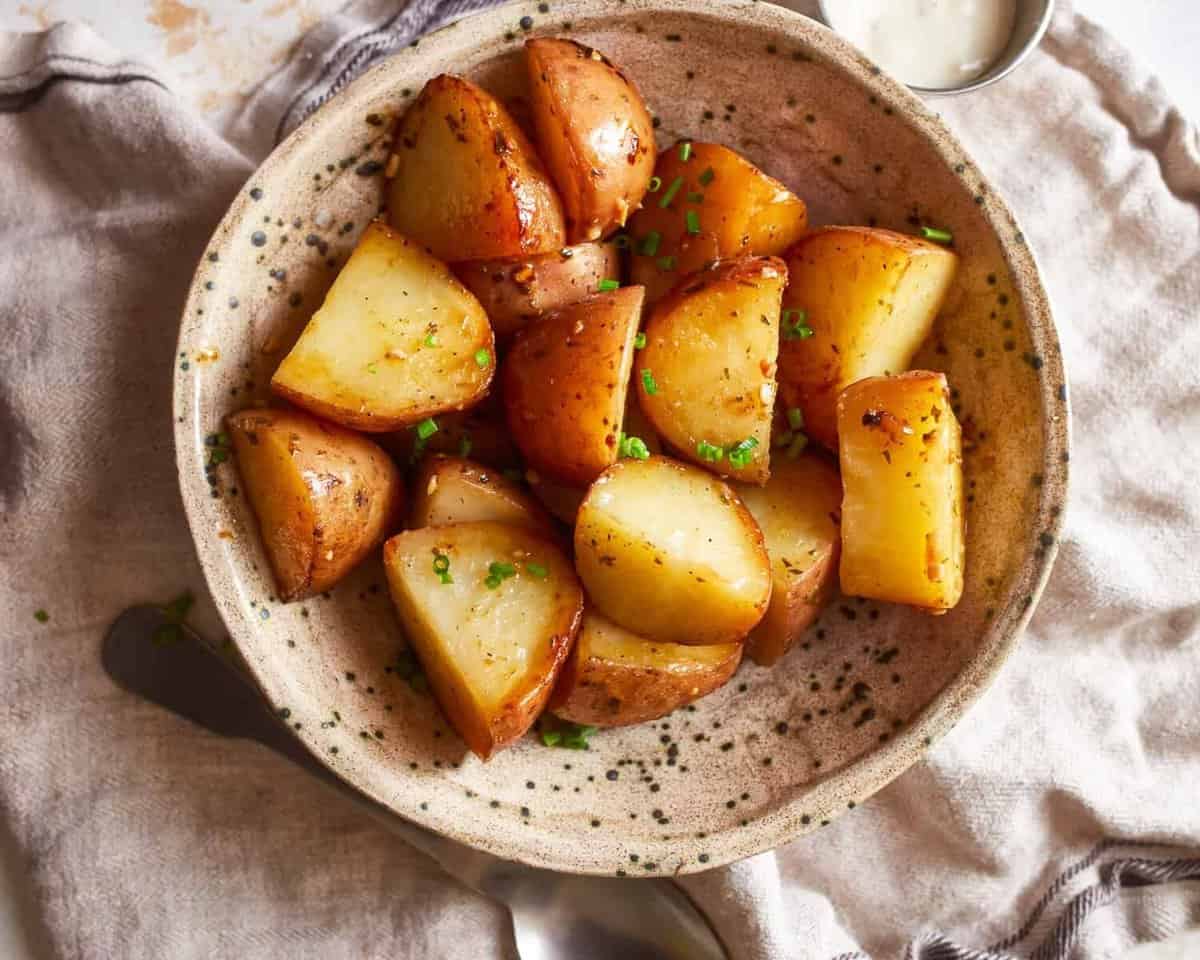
[1061, 819]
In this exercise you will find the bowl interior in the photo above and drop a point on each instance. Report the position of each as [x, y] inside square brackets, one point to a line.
[775, 752]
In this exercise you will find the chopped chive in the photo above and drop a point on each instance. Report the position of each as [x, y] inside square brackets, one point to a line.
[483, 357]
[693, 222]
[741, 453]
[694, 197]
[441, 566]
[707, 177]
[649, 383]
[633, 447]
[464, 445]
[708, 451]
[650, 243]
[577, 739]
[685, 151]
[796, 447]
[671, 191]
[795, 418]
[499, 568]
[552, 738]
[655, 184]
[666, 264]
[795, 325]
[639, 342]
[491, 581]
[372, 368]
[431, 340]
[937, 235]
[621, 241]
[606, 285]
[426, 428]
[537, 570]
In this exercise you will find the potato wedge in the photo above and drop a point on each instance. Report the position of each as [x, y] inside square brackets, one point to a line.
[706, 378]
[614, 677]
[467, 182]
[743, 212]
[397, 340]
[454, 490]
[513, 292]
[902, 511]
[670, 552]
[869, 297]
[565, 381]
[798, 511]
[594, 131]
[324, 497]
[491, 611]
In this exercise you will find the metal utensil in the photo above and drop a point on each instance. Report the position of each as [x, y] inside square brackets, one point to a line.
[553, 915]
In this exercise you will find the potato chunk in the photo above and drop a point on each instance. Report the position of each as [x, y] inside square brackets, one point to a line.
[670, 552]
[514, 292]
[736, 210]
[594, 131]
[798, 511]
[565, 381]
[454, 490]
[468, 184]
[902, 513]
[614, 677]
[491, 611]
[870, 298]
[706, 378]
[397, 340]
[324, 497]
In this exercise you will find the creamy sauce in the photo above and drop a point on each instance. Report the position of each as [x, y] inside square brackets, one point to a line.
[927, 43]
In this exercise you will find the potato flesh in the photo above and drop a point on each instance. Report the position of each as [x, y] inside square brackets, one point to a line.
[711, 348]
[669, 551]
[491, 654]
[365, 359]
[595, 134]
[871, 297]
[798, 512]
[744, 212]
[468, 184]
[902, 513]
[454, 490]
[615, 677]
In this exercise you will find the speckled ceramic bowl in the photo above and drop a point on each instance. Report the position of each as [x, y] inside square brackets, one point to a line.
[777, 752]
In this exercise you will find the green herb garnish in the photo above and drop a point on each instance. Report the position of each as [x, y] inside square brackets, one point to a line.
[650, 242]
[685, 151]
[483, 357]
[537, 570]
[633, 447]
[561, 733]
[796, 447]
[693, 222]
[708, 451]
[431, 340]
[426, 428]
[498, 572]
[795, 325]
[441, 566]
[937, 235]
[655, 184]
[372, 367]
[671, 191]
[741, 453]
[649, 383]
[694, 197]
[604, 286]
[795, 418]
[666, 264]
[639, 342]
[707, 177]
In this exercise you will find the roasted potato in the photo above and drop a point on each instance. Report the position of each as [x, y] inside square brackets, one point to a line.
[324, 497]
[706, 378]
[614, 677]
[513, 292]
[902, 511]
[454, 490]
[670, 552]
[479, 433]
[491, 611]
[396, 341]
[734, 209]
[466, 182]
[565, 381]
[595, 134]
[869, 298]
[798, 512]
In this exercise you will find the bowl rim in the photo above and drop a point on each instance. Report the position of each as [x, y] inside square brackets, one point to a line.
[873, 770]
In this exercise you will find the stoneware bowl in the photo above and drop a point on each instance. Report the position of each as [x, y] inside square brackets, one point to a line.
[775, 753]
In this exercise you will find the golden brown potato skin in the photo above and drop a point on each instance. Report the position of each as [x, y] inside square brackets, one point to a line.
[514, 292]
[595, 134]
[614, 678]
[743, 213]
[449, 490]
[479, 433]
[565, 381]
[871, 297]
[468, 184]
[324, 497]
[799, 513]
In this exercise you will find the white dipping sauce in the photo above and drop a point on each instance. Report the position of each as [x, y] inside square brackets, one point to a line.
[927, 43]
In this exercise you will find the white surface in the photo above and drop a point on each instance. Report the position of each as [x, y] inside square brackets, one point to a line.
[215, 51]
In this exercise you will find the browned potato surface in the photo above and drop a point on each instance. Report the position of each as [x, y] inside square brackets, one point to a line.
[514, 292]
[869, 297]
[565, 381]
[454, 490]
[595, 134]
[479, 433]
[324, 497]
[706, 378]
[736, 210]
[902, 512]
[398, 339]
[467, 183]
[614, 677]
[671, 553]
[798, 511]
[491, 611]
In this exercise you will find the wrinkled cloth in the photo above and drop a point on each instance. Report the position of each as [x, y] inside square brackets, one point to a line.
[1059, 820]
